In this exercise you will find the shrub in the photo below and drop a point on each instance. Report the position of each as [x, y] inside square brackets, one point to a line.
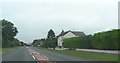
[106, 40]
[77, 42]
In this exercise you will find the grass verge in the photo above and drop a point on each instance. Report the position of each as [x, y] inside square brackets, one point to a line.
[92, 55]
[8, 50]
[0, 51]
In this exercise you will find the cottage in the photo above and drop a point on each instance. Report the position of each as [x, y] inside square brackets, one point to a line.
[68, 34]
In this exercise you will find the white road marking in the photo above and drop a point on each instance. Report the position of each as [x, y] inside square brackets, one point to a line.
[33, 57]
[35, 52]
[31, 52]
[45, 57]
[42, 59]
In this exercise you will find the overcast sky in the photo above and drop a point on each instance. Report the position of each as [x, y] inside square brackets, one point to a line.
[34, 18]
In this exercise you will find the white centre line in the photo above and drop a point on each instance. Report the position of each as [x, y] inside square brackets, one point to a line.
[45, 57]
[31, 54]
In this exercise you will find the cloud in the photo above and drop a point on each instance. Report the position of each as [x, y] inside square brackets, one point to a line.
[34, 19]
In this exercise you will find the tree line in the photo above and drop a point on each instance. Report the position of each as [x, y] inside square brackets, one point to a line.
[8, 33]
[102, 40]
[49, 42]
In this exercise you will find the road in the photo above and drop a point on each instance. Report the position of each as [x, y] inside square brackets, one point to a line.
[59, 57]
[20, 54]
[34, 54]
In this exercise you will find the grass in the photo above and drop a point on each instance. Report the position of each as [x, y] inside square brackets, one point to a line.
[92, 55]
[8, 50]
[0, 51]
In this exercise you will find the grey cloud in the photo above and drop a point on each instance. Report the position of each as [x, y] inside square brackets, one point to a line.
[34, 20]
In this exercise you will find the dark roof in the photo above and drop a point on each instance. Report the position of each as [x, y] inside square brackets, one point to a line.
[77, 33]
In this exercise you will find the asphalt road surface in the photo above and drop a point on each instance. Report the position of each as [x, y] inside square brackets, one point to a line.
[59, 57]
[20, 54]
[35, 54]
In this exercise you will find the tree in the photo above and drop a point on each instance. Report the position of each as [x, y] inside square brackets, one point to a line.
[51, 34]
[21, 43]
[9, 31]
[36, 42]
[15, 42]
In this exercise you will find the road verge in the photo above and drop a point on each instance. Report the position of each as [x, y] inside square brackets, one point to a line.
[8, 50]
[85, 54]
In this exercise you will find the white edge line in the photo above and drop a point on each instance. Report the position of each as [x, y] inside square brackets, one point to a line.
[31, 54]
[33, 57]
[46, 57]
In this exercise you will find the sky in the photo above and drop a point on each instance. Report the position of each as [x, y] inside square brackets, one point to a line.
[34, 18]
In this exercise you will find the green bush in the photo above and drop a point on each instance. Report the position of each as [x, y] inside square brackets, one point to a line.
[47, 43]
[77, 42]
[103, 40]
[106, 40]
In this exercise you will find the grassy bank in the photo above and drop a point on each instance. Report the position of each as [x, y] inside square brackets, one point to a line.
[8, 50]
[99, 56]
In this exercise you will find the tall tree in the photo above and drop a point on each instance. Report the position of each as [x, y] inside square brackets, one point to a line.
[51, 34]
[9, 31]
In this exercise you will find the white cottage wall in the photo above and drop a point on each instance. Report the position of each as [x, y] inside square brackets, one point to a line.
[61, 38]
[69, 35]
